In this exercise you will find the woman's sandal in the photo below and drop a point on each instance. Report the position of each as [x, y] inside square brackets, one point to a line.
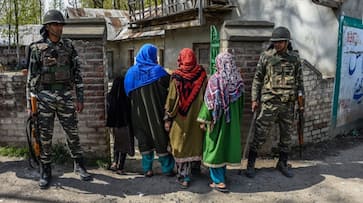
[120, 172]
[149, 174]
[113, 167]
[221, 187]
[183, 184]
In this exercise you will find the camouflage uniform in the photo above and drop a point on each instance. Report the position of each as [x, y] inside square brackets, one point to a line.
[53, 71]
[276, 86]
[277, 81]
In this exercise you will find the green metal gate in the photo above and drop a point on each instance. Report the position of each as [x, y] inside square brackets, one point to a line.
[214, 48]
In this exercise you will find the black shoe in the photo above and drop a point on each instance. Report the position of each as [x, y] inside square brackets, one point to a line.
[250, 171]
[81, 170]
[282, 165]
[284, 169]
[45, 176]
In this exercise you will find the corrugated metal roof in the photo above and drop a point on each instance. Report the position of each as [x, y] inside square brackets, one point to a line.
[117, 22]
[133, 35]
[85, 28]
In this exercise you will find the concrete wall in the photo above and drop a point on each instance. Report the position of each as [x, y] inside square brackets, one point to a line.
[114, 66]
[172, 43]
[352, 8]
[176, 40]
[314, 28]
[125, 46]
[91, 121]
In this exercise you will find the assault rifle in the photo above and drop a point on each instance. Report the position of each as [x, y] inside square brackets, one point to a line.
[250, 134]
[300, 124]
[32, 134]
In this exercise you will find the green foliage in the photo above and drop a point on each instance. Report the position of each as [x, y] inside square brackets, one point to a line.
[60, 154]
[106, 4]
[29, 12]
[14, 152]
[100, 162]
[18, 12]
[57, 4]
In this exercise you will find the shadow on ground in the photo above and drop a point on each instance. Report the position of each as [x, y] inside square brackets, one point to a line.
[309, 172]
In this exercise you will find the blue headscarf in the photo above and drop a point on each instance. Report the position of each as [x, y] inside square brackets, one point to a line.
[145, 71]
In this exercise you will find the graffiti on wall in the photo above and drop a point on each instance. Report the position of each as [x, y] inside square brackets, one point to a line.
[348, 92]
[354, 55]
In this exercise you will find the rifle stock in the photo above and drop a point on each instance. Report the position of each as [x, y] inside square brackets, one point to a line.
[33, 101]
[35, 133]
[300, 125]
[33, 138]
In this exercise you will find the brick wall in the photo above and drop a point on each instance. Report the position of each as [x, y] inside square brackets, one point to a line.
[91, 121]
[9, 58]
[12, 109]
[318, 92]
[319, 96]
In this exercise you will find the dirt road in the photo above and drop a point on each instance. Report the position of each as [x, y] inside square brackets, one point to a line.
[337, 177]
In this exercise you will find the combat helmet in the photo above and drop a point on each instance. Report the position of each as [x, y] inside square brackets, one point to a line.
[53, 16]
[280, 34]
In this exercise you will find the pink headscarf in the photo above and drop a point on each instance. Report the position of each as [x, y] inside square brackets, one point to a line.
[224, 87]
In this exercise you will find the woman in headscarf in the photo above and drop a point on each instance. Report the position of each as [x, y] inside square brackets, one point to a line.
[186, 91]
[146, 84]
[119, 122]
[221, 117]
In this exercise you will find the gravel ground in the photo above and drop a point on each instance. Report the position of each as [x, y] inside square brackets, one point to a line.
[329, 172]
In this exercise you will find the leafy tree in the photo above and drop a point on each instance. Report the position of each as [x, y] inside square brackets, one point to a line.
[57, 4]
[18, 12]
[107, 4]
[73, 3]
[28, 12]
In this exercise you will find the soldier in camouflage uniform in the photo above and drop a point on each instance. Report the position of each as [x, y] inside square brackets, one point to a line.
[53, 72]
[277, 82]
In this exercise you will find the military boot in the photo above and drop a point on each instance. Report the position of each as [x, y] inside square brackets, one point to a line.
[81, 170]
[282, 165]
[45, 175]
[250, 171]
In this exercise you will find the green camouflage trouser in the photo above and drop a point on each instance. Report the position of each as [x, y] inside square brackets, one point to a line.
[281, 113]
[60, 103]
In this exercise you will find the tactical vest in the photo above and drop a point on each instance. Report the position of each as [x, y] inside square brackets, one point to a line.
[56, 65]
[280, 77]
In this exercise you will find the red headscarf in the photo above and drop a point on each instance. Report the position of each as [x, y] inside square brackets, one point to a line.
[189, 78]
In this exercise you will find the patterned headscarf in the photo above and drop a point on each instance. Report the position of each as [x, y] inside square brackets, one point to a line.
[189, 78]
[145, 71]
[224, 87]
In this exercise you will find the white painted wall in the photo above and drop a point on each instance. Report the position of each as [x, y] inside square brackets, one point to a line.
[353, 8]
[314, 28]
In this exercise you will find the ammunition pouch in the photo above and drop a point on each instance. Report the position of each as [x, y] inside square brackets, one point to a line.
[56, 78]
[56, 69]
[56, 86]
